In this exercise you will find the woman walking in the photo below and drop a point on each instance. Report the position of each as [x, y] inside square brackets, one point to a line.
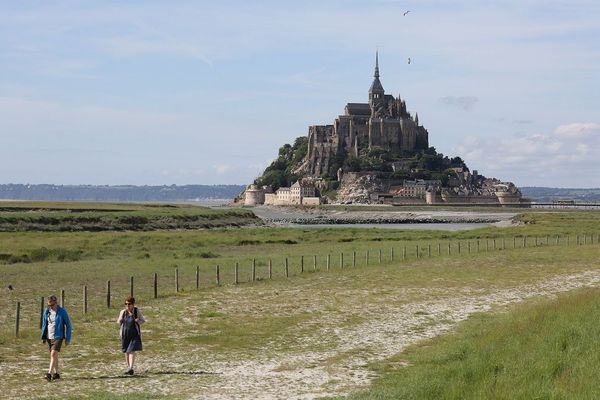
[130, 320]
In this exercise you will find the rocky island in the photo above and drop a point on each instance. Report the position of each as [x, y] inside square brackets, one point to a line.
[376, 152]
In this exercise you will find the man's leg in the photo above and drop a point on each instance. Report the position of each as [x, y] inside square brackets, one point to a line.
[53, 362]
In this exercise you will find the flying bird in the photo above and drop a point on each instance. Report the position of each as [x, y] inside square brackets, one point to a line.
[406, 12]
[409, 60]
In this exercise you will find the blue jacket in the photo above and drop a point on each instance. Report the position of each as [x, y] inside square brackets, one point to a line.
[62, 322]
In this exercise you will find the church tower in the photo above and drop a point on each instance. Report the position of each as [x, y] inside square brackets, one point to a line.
[376, 91]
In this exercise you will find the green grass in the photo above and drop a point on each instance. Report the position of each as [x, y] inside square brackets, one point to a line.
[539, 350]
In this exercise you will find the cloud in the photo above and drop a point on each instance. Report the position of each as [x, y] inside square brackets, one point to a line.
[463, 102]
[563, 157]
[578, 130]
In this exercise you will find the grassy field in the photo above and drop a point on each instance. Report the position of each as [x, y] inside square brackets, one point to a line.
[546, 349]
[94, 217]
[320, 332]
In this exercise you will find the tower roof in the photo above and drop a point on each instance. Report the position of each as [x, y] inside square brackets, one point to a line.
[376, 86]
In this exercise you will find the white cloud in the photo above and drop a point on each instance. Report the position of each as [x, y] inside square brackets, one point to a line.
[562, 158]
[463, 102]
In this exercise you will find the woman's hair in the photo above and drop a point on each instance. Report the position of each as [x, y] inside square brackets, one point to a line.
[130, 299]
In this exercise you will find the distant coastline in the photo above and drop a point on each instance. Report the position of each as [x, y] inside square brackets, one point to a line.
[217, 194]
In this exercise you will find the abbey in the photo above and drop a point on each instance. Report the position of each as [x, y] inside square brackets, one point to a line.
[382, 123]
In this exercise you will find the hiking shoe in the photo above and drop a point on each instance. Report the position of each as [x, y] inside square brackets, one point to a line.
[130, 371]
[55, 376]
[48, 377]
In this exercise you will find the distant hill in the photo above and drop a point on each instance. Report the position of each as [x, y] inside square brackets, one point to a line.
[125, 193]
[546, 194]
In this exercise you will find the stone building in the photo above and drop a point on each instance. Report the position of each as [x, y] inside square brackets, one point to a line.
[383, 123]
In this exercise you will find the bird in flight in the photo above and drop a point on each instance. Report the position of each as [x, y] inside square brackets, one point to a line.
[406, 12]
[409, 60]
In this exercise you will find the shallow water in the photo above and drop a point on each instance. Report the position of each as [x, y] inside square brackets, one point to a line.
[417, 226]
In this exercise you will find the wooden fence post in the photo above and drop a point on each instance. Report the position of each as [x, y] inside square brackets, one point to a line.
[469, 246]
[478, 245]
[197, 277]
[379, 256]
[439, 249]
[494, 243]
[41, 311]
[503, 244]
[449, 248]
[62, 298]
[367, 257]
[287, 271]
[301, 264]
[459, 247]
[354, 258]
[392, 254]
[85, 299]
[18, 316]
[155, 284]
[253, 269]
[514, 242]
[404, 253]
[524, 241]
[218, 275]
[131, 286]
[176, 280]
[237, 273]
[108, 294]
[342, 260]
[270, 269]
[417, 251]
[315, 262]
[429, 250]
[328, 261]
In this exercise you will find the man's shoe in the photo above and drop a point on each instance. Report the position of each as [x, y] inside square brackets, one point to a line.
[55, 376]
[130, 372]
[48, 377]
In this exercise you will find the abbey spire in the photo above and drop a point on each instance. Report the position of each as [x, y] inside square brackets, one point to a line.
[376, 91]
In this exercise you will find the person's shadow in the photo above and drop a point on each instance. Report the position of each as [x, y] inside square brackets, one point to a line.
[145, 374]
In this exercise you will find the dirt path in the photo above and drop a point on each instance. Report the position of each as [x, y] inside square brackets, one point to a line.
[304, 372]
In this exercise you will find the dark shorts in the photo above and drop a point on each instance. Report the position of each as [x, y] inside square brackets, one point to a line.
[54, 344]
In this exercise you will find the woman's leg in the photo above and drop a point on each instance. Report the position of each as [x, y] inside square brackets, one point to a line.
[131, 359]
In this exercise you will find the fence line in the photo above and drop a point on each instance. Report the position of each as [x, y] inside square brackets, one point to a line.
[580, 240]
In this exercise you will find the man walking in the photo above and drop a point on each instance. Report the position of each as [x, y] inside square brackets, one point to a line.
[56, 328]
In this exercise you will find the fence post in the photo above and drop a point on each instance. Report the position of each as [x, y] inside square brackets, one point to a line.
[41, 311]
[449, 248]
[503, 244]
[514, 242]
[270, 269]
[301, 264]
[342, 260]
[439, 249]
[253, 269]
[392, 254]
[315, 262]
[108, 294]
[85, 299]
[176, 280]
[367, 257]
[459, 247]
[237, 273]
[218, 275]
[197, 277]
[131, 286]
[429, 250]
[287, 271]
[155, 285]
[494, 243]
[17, 319]
[354, 258]
[379, 256]
[62, 298]
[328, 261]
[469, 246]
[404, 253]
[487, 244]
[524, 241]
[417, 251]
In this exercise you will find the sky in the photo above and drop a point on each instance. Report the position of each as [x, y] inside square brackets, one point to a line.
[205, 92]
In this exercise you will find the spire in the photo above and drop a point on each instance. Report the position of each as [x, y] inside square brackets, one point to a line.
[417, 119]
[376, 87]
